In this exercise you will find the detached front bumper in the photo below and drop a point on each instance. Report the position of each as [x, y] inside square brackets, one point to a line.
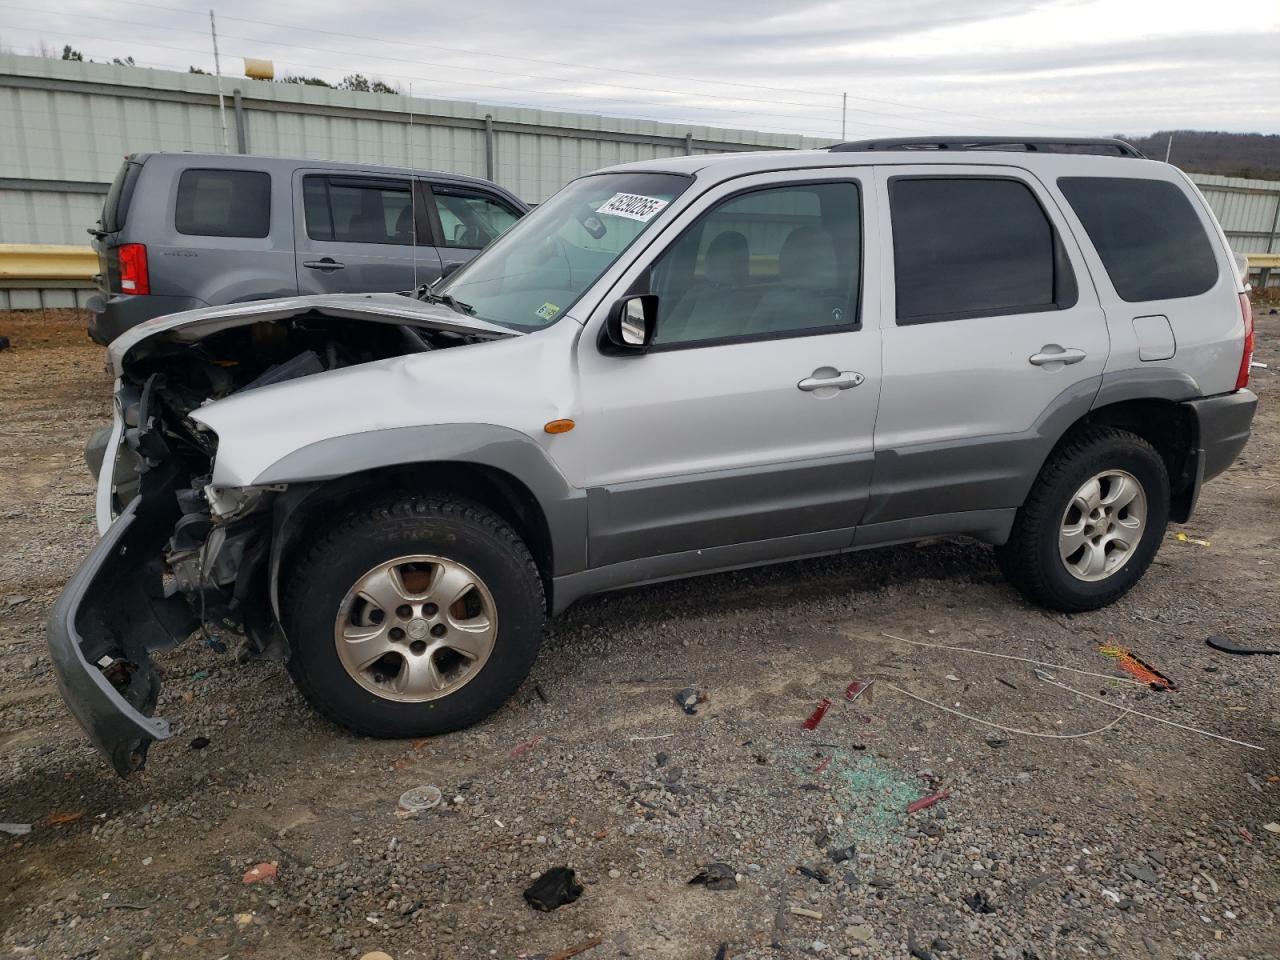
[110, 617]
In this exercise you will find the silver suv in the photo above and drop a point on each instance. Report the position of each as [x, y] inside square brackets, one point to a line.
[670, 368]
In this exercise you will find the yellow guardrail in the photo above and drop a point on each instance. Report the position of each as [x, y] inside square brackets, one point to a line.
[39, 261]
[1271, 260]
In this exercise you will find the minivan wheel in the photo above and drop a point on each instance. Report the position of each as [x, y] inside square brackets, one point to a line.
[1092, 523]
[413, 617]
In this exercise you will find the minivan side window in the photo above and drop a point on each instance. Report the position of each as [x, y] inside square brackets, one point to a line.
[780, 261]
[470, 219]
[224, 203]
[974, 247]
[1147, 234]
[352, 210]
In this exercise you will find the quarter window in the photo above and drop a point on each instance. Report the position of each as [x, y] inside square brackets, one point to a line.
[775, 262]
[470, 219]
[974, 247]
[351, 210]
[224, 203]
[1147, 234]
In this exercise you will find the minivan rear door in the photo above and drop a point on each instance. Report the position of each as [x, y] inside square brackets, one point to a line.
[358, 233]
[467, 219]
[994, 343]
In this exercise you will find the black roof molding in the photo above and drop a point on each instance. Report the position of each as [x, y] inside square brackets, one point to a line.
[1106, 145]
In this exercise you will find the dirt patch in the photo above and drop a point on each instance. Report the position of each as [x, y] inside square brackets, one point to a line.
[1139, 841]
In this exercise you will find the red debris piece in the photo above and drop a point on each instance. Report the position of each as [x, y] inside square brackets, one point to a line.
[826, 762]
[527, 745]
[924, 803]
[855, 689]
[1246, 834]
[263, 872]
[815, 718]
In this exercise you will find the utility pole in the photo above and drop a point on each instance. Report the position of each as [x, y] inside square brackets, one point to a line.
[844, 109]
[1168, 149]
[217, 69]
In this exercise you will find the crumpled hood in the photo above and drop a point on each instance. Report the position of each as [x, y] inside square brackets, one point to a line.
[193, 325]
[498, 383]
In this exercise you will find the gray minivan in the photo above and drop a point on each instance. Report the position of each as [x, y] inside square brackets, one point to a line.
[181, 231]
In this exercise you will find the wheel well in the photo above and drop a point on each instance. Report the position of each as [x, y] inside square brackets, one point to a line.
[1169, 427]
[488, 486]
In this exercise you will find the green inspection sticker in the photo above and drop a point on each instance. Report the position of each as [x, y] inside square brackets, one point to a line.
[546, 311]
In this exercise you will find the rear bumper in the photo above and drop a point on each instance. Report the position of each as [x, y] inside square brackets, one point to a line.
[1223, 424]
[110, 316]
[106, 622]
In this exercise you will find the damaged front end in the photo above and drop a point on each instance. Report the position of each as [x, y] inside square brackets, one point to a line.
[178, 553]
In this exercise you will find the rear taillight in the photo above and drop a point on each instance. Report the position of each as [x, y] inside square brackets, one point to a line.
[133, 268]
[1246, 310]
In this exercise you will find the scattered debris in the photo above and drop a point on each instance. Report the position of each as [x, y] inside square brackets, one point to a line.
[924, 803]
[841, 854]
[537, 688]
[61, 819]
[5, 343]
[420, 798]
[1271, 827]
[1186, 539]
[723, 953]
[915, 950]
[819, 712]
[1010, 685]
[805, 912]
[260, 873]
[528, 745]
[1219, 642]
[979, 903]
[814, 874]
[717, 876]
[995, 743]
[1137, 668]
[576, 949]
[15, 829]
[953, 678]
[199, 743]
[553, 889]
[857, 688]
[826, 762]
[1140, 871]
[689, 698]
[244, 920]
[376, 955]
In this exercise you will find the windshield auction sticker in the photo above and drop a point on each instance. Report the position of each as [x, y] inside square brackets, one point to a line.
[633, 206]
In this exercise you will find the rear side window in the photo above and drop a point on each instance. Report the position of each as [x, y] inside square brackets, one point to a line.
[1147, 234]
[115, 209]
[355, 210]
[974, 247]
[224, 203]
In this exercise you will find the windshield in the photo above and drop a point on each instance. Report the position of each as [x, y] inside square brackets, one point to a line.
[536, 271]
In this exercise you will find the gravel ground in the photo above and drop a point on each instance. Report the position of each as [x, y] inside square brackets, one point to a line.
[1142, 840]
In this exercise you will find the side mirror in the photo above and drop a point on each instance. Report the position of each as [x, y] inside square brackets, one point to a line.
[631, 324]
[450, 269]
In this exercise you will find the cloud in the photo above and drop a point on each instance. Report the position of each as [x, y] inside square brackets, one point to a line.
[908, 66]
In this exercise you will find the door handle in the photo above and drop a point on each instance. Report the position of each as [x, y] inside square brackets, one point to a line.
[840, 380]
[1052, 353]
[325, 263]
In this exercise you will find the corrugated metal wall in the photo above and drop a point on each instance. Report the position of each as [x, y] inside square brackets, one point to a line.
[65, 126]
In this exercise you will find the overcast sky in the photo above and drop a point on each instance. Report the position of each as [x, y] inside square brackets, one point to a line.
[908, 66]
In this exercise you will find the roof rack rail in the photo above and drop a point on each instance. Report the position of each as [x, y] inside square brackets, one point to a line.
[1019, 144]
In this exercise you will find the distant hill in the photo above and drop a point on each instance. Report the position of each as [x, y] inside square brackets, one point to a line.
[1253, 155]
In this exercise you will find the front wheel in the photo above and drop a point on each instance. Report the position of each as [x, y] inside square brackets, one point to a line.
[413, 617]
[1092, 523]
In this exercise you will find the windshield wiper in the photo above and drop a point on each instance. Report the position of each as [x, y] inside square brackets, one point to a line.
[449, 301]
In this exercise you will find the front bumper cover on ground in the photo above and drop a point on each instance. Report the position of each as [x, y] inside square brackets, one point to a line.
[113, 613]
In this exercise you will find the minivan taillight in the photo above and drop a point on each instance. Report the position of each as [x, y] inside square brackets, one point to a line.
[133, 268]
[1246, 310]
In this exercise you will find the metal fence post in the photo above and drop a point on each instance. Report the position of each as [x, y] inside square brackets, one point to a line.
[488, 146]
[242, 139]
[688, 144]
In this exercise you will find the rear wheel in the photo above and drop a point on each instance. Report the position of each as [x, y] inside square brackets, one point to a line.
[413, 617]
[1092, 523]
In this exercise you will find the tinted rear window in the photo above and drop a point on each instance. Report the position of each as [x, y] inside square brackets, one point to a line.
[974, 247]
[224, 203]
[115, 208]
[1147, 234]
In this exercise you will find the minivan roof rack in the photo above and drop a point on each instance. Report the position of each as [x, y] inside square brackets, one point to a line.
[1018, 144]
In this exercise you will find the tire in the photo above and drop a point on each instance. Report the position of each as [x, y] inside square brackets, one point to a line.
[413, 544]
[1032, 560]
